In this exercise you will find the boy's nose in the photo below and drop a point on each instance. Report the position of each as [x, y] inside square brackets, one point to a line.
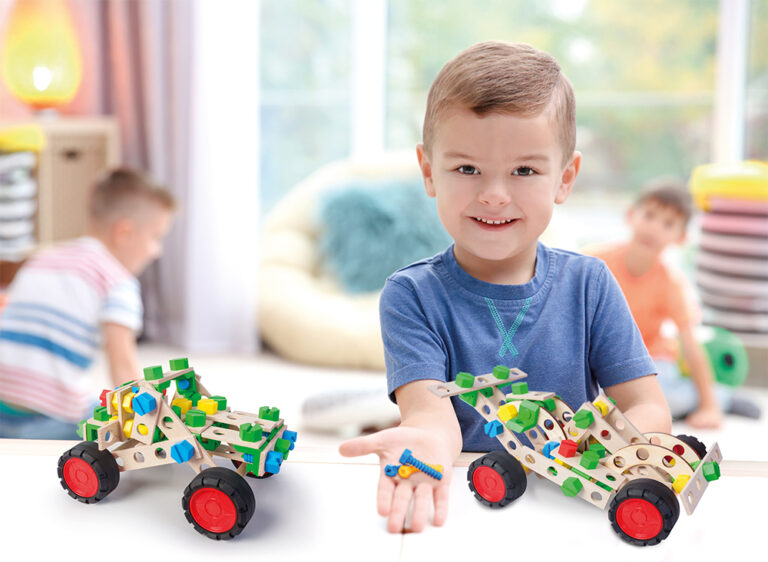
[494, 193]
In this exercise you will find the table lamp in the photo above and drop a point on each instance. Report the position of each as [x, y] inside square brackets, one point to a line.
[41, 59]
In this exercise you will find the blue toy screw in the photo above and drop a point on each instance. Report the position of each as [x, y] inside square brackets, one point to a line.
[407, 458]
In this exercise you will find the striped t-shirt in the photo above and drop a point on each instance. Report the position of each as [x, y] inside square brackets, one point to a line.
[50, 327]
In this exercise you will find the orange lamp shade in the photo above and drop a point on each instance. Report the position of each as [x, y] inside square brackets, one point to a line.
[41, 60]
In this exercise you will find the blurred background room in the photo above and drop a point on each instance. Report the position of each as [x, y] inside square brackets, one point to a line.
[287, 130]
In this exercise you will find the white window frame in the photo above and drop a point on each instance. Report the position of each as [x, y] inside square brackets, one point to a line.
[368, 77]
[728, 131]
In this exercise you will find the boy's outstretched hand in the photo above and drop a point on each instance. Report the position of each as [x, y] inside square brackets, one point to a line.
[395, 495]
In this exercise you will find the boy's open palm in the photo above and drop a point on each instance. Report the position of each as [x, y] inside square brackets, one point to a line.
[395, 495]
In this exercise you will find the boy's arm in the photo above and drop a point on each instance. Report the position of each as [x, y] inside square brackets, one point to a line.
[430, 429]
[643, 402]
[120, 347]
[708, 414]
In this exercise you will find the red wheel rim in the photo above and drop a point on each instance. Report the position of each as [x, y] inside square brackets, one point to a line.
[639, 519]
[81, 478]
[489, 484]
[213, 510]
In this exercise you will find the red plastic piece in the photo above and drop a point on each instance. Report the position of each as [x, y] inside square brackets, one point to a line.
[213, 510]
[103, 397]
[81, 478]
[568, 448]
[639, 519]
[489, 484]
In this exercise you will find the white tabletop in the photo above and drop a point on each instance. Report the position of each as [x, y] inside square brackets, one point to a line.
[321, 505]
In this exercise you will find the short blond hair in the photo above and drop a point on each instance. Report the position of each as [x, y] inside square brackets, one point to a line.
[122, 192]
[496, 76]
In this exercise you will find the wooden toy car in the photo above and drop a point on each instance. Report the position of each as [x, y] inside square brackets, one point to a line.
[594, 453]
[135, 427]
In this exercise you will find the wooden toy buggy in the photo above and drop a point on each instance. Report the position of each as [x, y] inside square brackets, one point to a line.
[135, 427]
[594, 453]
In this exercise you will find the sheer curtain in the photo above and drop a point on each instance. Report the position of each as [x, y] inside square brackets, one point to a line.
[182, 78]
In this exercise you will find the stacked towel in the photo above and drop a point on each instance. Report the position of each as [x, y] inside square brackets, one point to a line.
[18, 204]
[732, 263]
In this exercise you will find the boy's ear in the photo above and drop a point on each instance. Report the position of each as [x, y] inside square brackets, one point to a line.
[568, 178]
[426, 170]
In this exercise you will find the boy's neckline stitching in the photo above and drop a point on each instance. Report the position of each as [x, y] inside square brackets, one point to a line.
[536, 295]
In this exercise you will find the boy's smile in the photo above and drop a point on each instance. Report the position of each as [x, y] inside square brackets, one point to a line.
[496, 178]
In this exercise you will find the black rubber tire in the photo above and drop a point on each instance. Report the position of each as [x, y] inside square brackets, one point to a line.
[659, 496]
[698, 447]
[505, 474]
[106, 473]
[234, 487]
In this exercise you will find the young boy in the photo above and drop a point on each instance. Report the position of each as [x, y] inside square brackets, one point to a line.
[68, 300]
[657, 220]
[498, 154]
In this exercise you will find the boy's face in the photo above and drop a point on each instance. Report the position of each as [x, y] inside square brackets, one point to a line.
[496, 178]
[655, 226]
[140, 240]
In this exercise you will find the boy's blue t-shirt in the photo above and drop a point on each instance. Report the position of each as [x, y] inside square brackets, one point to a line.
[569, 328]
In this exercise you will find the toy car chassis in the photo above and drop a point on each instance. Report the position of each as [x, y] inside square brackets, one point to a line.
[594, 453]
[135, 427]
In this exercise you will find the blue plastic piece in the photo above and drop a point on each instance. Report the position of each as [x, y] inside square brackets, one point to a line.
[182, 384]
[391, 470]
[493, 428]
[290, 436]
[273, 462]
[549, 447]
[182, 451]
[134, 388]
[248, 457]
[144, 403]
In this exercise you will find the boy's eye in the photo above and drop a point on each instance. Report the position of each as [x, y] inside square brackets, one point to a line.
[524, 171]
[468, 170]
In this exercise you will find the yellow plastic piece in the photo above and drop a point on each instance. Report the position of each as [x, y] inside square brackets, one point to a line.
[22, 137]
[406, 470]
[128, 428]
[115, 405]
[743, 180]
[680, 483]
[208, 406]
[601, 407]
[184, 403]
[143, 429]
[128, 402]
[507, 412]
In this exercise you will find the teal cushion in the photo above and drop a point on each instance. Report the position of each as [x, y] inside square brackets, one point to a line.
[370, 228]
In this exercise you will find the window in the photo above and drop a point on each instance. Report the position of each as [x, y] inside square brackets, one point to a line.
[644, 78]
[305, 54]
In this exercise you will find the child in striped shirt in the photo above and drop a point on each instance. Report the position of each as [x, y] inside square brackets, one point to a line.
[68, 301]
